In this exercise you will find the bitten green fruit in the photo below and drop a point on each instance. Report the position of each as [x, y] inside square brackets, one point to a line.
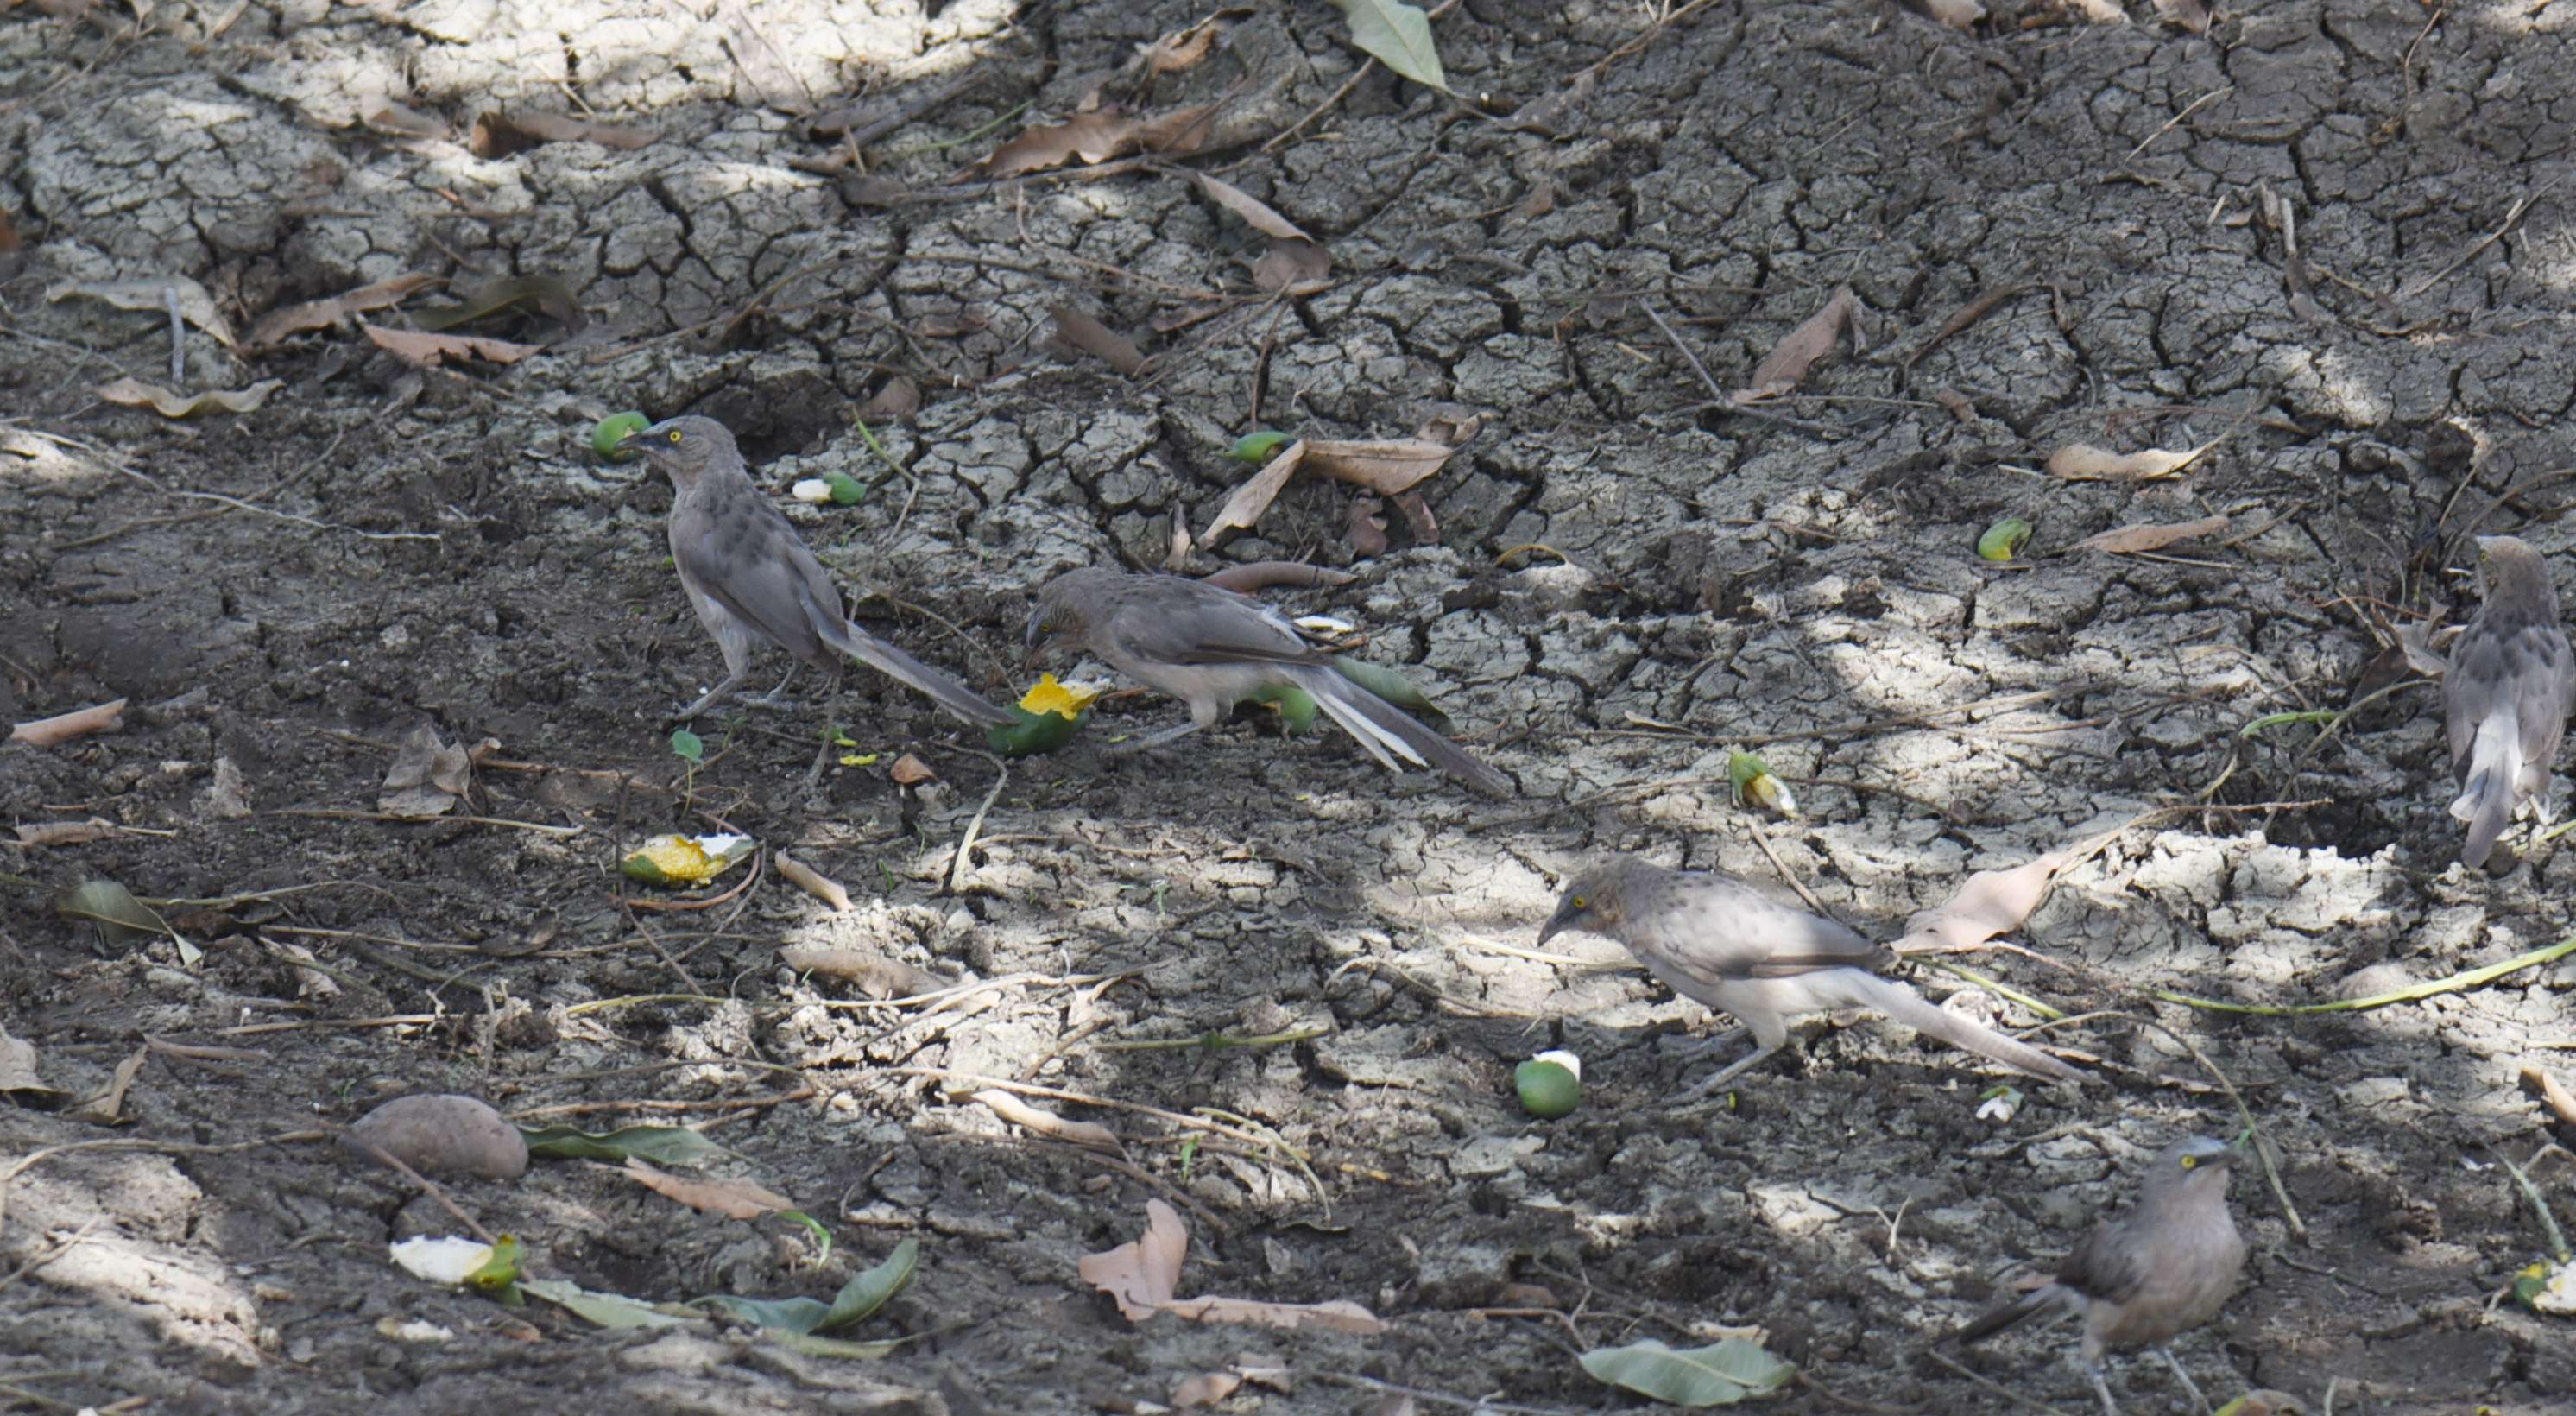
[1296, 708]
[612, 430]
[1033, 733]
[1548, 1087]
[1257, 447]
[2004, 539]
[846, 489]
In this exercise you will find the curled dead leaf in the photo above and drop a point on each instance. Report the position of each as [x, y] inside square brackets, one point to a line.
[292, 320]
[1389, 467]
[1367, 527]
[1142, 1277]
[1092, 337]
[134, 393]
[875, 975]
[430, 350]
[157, 293]
[1291, 265]
[63, 727]
[1088, 1134]
[804, 877]
[1097, 137]
[734, 1199]
[2082, 462]
[1789, 360]
[502, 134]
[1260, 215]
[1992, 902]
[2152, 538]
[427, 778]
[910, 771]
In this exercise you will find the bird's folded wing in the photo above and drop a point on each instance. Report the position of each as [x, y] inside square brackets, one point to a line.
[2108, 1266]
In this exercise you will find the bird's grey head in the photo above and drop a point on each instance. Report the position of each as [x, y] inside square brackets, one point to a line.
[684, 447]
[1062, 615]
[1598, 900]
[2196, 1161]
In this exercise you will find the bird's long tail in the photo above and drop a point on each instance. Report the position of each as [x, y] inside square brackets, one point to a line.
[1862, 989]
[2486, 799]
[948, 693]
[1381, 729]
[2029, 1305]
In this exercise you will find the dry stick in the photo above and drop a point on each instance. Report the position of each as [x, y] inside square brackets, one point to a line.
[2253, 1128]
[2512, 218]
[2457, 982]
[1258, 1142]
[336, 814]
[390, 1161]
[2175, 121]
[966, 843]
[1725, 404]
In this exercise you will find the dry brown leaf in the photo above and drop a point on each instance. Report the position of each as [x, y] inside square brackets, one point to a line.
[63, 727]
[8, 232]
[1387, 466]
[108, 1107]
[898, 400]
[1258, 213]
[1098, 137]
[429, 350]
[910, 771]
[1205, 1389]
[1417, 514]
[734, 1199]
[1263, 575]
[319, 314]
[410, 122]
[1367, 527]
[876, 975]
[1338, 1314]
[1089, 1134]
[1294, 266]
[2415, 641]
[1254, 497]
[63, 833]
[804, 877]
[2082, 462]
[1092, 137]
[134, 393]
[2561, 1102]
[2190, 15]
[1790, 359]
[1183, 48]
[2152, 538]
[1992, 902]
[499, 134]
[1143, 1276]
[154, 293]
[18, 1066]
[1092, 337]
[427, 778]
[1957, 14]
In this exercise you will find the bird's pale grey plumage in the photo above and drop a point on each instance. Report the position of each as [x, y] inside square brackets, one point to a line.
[751, 578]
[1740, 948]
[2506, 694]
[2159, 1269]
[1212, 648]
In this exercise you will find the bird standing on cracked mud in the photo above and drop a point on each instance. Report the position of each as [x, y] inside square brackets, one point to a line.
[1212, 648]
[751, 578]
[1737, 947]
[2164, 1267]
[2506, 695]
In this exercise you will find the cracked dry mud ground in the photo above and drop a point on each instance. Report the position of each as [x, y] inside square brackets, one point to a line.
[1741, 580]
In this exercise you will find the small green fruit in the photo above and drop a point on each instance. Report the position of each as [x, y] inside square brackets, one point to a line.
[1257, 447]
[2004, 539]
[1549, 1089]
[612, 430]
[846, 489]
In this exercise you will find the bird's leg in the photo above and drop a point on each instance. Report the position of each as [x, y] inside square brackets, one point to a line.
[776, 697]
[2102, 1389]
[2185, 1378]
[831, 728]
[1715, 1041]
[1731, 1071]
[707, 699]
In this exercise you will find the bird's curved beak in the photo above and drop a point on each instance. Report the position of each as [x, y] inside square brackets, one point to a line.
[1036, 633]
[1565, 918]
[642, 440]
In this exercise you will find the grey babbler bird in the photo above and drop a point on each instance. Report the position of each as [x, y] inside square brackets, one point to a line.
[1737, 946]
[751, 578]
[2506, 694]
[2149, 1274]
[1211, 648]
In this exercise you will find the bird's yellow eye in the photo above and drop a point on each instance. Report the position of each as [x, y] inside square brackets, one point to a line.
[2189, 1161]
[1581, 903]
[675, 435]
